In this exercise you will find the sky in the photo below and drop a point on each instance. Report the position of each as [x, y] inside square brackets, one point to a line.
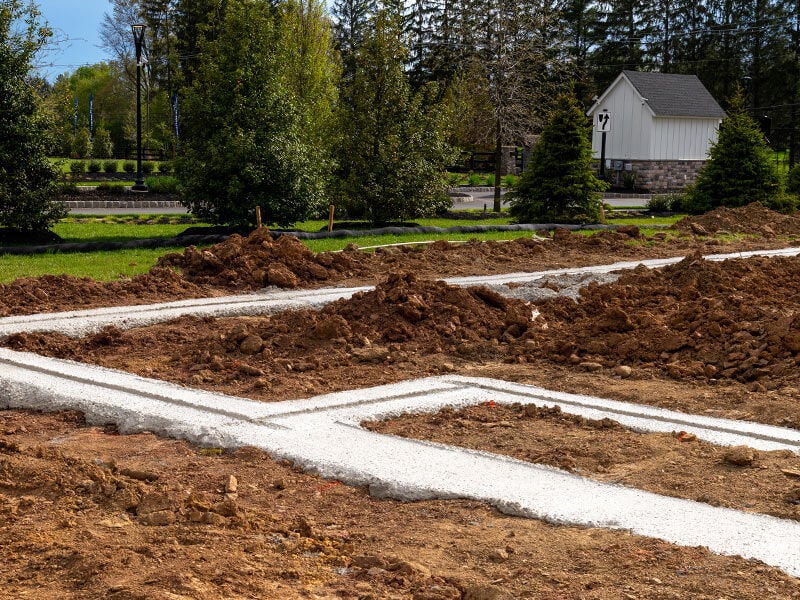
[76, 25]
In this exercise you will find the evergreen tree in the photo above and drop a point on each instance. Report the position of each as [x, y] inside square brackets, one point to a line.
[243, 143]
[393, 151]
[351, 19]
[559, 182]
[740, 169]
[28, 184]
[102, 146]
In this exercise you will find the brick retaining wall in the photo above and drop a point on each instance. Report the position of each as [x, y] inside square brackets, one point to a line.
[658, 175]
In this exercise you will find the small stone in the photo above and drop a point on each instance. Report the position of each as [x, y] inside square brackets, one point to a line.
[498, 555]
[158, 518]
[590, 366]
[371, 354]
[484, 592]
[252, 344]
[409, 567]
[232, 485]
[741, 456]
[698, 229]
[623, 371]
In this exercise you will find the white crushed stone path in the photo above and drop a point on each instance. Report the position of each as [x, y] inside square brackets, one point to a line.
[322, 435]
[84, 322]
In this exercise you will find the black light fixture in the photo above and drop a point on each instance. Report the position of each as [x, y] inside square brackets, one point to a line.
[138, 40]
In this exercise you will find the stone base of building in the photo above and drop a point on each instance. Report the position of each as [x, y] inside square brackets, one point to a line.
[657, 176]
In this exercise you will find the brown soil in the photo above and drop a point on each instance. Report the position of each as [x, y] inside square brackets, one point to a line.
[243, 264]
[87, 513]
[753, 218]
[674, 464]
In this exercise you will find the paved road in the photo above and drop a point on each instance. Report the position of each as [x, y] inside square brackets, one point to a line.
[479, 199]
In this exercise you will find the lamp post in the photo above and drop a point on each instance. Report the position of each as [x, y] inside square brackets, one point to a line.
[138, 40]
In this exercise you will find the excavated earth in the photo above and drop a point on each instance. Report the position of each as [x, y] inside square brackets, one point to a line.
[87, 513]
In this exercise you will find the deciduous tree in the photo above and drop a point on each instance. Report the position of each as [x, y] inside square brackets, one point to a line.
[27, 179]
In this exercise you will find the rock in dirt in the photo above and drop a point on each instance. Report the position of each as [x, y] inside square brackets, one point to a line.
[741, 456]
[484, 592]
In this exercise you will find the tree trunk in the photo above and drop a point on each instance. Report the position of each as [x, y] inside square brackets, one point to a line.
[498, 170]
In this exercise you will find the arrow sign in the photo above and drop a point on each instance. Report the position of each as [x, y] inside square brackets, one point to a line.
[603, 123]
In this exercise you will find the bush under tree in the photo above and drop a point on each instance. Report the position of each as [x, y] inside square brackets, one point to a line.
[559, 183]
[740, 169]
[102, 146]
[28, 181]
[394, 146]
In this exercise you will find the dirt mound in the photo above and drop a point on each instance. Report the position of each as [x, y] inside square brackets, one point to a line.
[754, 218]
[65, 292]
[257, 261]
[736, 319]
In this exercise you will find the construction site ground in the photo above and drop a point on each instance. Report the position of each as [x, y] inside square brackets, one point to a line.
[87, 513]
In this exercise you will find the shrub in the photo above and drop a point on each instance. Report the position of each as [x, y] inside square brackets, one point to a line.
[658, 203]
[94, 166]
[68, 188]
[453, 179]
[166, 167]
[793, 180]
[111, 188]
[129, 166]
[162, 185]
[110, 166]
[510, 181]
[490, 180]
[77, 167]
[474, 180]
[148, 167]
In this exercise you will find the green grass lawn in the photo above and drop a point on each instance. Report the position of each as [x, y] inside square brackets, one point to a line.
[108, 265]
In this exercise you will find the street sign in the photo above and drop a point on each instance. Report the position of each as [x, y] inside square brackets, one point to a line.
[603, 123]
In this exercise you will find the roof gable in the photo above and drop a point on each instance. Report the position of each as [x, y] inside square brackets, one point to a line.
[673, 95]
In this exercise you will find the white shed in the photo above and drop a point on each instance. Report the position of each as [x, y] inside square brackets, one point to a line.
[661, 128]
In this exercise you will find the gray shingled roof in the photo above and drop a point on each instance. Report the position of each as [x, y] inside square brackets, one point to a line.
[672, 95]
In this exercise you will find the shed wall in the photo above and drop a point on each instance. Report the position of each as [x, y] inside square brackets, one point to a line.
[675, 138]
[631, 125]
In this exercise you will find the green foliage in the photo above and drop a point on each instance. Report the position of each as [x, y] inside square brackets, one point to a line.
[559, 183]
[82, 143]
[111, 188]
[490, 180]
[474, 179]
[793, 180]
[166, 167]
[129, 166]
[68, 188]
[148, 167]
[28, 180]
[740, 169]
[102, 147]
[110, 166]
[245, 140]
[77, 167]
[394, 150]
[510, 181]
[94, 166]
[162, 185]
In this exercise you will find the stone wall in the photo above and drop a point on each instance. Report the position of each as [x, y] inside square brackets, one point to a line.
[654, 175]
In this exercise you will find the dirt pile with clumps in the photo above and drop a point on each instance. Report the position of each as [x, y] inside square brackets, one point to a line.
[64, 292]
[737, 319]
[257, 261]
[754, 218]
[396, 325]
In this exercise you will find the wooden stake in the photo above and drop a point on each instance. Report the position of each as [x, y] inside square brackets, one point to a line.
[258, 217]
[331, 210]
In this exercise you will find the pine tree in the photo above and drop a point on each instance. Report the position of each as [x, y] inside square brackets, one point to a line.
[740, 169]
[28, 183]
[559, 183]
